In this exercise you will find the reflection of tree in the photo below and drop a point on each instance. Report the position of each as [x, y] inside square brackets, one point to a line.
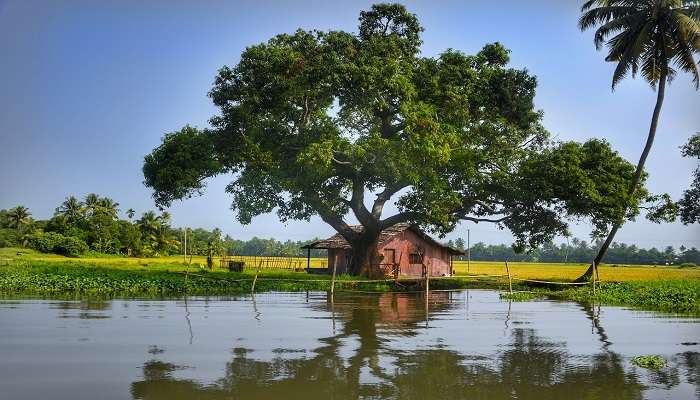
[85, 309]
[530, 367]
[690, 363]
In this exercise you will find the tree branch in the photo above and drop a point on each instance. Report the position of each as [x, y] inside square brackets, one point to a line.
[401, 217]
[329, 216]
[357, 203]
[383, 197]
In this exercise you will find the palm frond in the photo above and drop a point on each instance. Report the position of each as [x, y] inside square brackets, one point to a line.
[684, 59]
[632, 21]
[603, 15]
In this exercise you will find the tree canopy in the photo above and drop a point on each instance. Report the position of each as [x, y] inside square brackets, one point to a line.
[333, 123]
[689, 205]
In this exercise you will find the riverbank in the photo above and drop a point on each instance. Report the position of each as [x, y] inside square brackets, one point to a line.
[669, 295]
[52, 277]
[29, 274]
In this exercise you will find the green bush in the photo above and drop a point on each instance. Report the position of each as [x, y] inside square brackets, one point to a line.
[71, 247]
[688, 265]
[9, 238]
[44, 242]
[52, 242]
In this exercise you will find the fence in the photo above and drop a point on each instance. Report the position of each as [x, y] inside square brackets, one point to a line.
[298, 264]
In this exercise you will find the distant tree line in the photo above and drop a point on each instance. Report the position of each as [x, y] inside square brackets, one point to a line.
[93, 225]
[581, 251]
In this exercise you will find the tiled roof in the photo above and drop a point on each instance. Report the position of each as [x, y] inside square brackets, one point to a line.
[337, 241]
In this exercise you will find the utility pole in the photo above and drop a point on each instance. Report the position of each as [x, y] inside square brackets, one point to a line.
[469, 252]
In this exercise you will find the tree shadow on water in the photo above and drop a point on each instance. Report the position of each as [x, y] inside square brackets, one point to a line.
[528, 367]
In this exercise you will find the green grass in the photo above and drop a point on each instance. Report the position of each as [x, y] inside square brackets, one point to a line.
[670, 295]
[667, 289]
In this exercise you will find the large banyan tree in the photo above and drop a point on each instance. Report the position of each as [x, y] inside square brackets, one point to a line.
[333, 123]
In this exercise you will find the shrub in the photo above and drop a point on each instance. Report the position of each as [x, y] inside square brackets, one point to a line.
[71, 247]
[688, 265]
[44, 242]
[8, 238]
[52, 242]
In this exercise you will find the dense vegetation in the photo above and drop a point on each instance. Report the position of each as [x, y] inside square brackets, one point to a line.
[678, 296]
[93, 225]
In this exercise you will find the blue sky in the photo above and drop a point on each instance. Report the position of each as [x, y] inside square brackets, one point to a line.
[89, 87]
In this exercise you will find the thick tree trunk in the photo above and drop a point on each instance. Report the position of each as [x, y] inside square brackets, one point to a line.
[364, 254]
[635, 183]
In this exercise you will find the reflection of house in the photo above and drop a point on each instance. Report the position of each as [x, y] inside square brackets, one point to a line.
[403, 248]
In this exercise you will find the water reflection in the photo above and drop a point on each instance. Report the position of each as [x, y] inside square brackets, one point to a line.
[361, 361]
[83, 309]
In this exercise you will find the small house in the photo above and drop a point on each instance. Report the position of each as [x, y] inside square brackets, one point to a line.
[403, 249]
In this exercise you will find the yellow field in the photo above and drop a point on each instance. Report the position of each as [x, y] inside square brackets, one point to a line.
[570, 271]
[526, 270]
[156, 263]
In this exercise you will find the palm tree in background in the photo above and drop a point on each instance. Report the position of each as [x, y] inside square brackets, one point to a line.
[71, 210]
[155, 231]
[108, 207]
[654, 38]
[19, 217]
[92, 202]
[130, 213]
[148, 223]
[165, 218]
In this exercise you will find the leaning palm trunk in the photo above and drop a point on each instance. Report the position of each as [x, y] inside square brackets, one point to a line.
[635, 183]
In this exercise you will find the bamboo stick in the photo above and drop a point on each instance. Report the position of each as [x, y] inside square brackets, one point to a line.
[252, 288]
[510, 280]
[333, 281]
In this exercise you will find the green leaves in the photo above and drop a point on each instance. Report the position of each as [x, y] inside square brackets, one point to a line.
[175, 168]
[648, 36]
[313, 122]
[689, 204]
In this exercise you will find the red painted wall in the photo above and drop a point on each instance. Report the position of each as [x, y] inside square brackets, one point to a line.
[436, 258]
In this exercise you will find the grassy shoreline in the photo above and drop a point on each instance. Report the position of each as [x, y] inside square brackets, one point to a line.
[33, 274]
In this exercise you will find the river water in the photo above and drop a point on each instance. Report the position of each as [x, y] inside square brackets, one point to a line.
[464, 345]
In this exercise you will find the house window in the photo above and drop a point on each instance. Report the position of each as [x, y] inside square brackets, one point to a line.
[415, 258]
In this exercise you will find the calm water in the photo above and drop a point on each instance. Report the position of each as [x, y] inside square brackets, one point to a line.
[472, 345]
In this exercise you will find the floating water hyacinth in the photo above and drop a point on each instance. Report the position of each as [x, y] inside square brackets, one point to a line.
[651, 362]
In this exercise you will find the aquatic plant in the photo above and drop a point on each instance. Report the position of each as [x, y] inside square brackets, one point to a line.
[651, 362]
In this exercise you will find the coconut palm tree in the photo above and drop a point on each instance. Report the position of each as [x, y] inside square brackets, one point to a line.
[653, 38]
[148, 223]
[165, 218]
[92, 203]
[108, 207]
[130, 213]
[71, 210]
[19, 217]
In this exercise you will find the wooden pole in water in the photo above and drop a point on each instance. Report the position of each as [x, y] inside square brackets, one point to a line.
[333, 281]
[510, 281]
[593, 276]
[427, 282]
[427, 294]
[308, 259]
[469, 252]
[252, 288]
